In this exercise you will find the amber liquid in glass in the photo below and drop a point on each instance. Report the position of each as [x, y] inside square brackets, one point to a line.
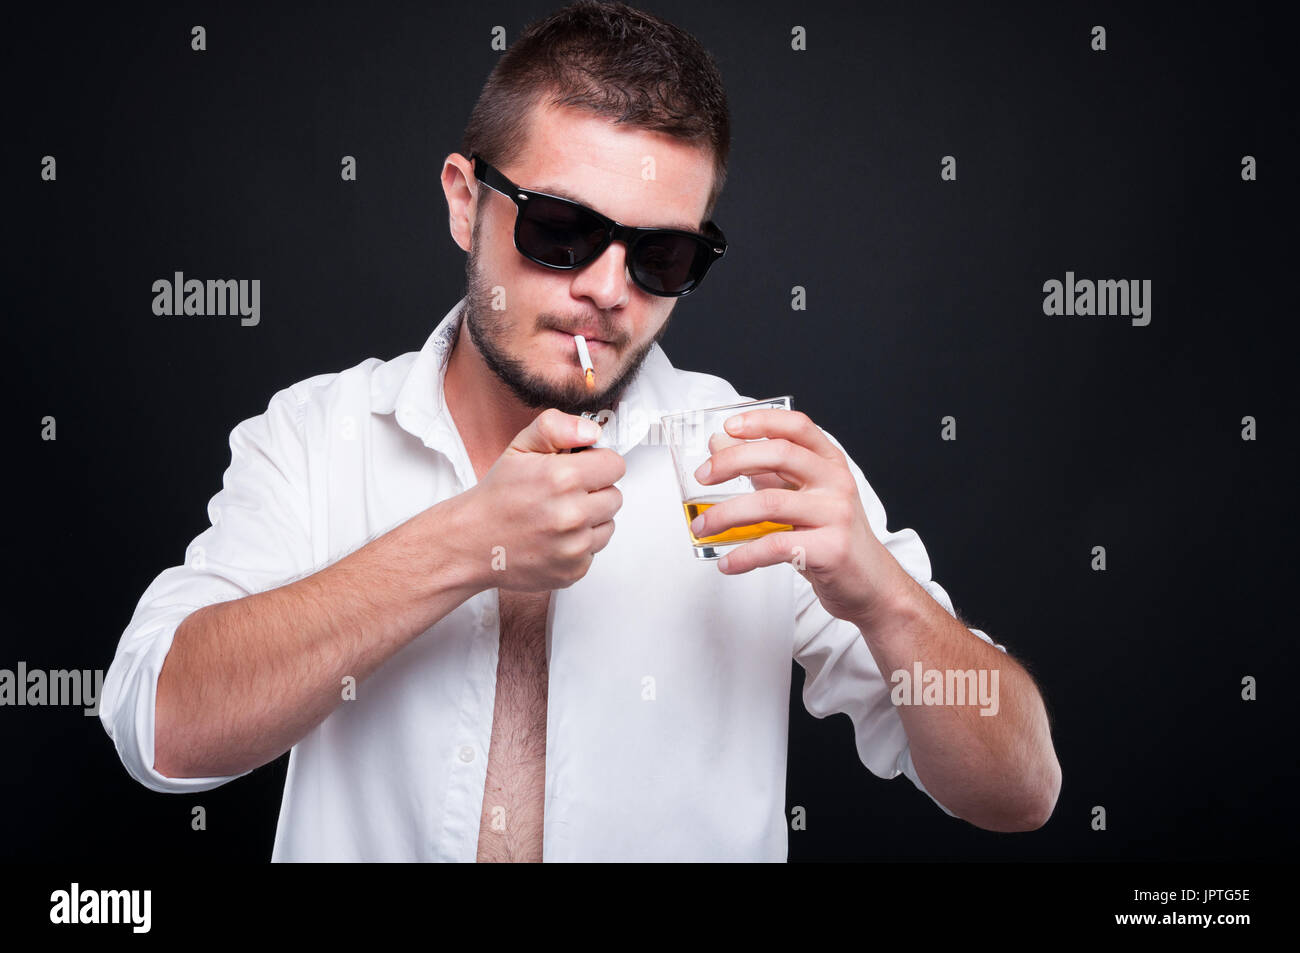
[735, 534]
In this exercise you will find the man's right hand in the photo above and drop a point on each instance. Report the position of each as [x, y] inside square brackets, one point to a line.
[548, 512]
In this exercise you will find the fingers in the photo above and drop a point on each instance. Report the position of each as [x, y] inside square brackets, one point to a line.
[718, 440]
[761, 481]
[790, 462]
[792, 425]
[604, 504]
[600, 535]
[771, 549]
[600, 467]
[800, 510]
[553, 430]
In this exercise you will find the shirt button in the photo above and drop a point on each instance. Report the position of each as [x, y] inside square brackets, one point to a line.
[489, 616]
[466, 753]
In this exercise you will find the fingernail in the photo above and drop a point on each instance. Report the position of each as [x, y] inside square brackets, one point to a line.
[736, 424]
[697, 524]
[588, 430]
[702, 473]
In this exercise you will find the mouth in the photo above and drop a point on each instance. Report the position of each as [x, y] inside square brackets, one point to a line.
[593, 344]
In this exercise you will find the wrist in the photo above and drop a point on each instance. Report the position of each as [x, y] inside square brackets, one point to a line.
[894, 614]
[452, 563]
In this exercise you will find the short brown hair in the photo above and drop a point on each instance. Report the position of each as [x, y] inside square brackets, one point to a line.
[614, 61]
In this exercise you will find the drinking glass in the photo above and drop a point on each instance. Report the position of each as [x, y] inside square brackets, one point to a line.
[687, 435]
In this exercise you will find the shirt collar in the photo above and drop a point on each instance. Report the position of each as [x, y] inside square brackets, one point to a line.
[413, 391]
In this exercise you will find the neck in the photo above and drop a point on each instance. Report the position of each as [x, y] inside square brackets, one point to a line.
[486, 412]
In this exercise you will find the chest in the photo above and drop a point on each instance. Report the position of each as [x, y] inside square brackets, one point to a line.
[523, 627]
[519, 725]
[513, 816]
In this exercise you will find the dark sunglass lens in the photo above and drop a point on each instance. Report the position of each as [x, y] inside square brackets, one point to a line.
[557, 233]
[671, 264]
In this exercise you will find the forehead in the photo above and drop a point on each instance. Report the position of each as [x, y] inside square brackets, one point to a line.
[633, 175]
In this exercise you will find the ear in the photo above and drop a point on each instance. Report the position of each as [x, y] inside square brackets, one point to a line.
[460, 187]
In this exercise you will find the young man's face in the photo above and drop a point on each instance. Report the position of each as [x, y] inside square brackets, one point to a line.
[588, 159]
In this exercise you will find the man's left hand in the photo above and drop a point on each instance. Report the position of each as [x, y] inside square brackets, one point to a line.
[803, 480]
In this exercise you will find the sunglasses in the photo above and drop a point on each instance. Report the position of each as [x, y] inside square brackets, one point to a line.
[564, 235]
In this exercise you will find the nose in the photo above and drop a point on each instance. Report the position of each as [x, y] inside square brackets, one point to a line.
[606, 280]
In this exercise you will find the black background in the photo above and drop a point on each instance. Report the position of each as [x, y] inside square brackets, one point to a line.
[924, 300]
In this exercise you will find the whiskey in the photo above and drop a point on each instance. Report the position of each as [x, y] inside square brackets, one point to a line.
[685, 433]
[735, 534]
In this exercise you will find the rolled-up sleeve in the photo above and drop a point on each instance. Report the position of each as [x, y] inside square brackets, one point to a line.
[259, 538]
[841, 674]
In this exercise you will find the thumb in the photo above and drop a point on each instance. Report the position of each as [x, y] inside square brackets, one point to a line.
[553, 430]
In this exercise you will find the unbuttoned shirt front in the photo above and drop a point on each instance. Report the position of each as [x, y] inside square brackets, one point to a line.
[669, 681]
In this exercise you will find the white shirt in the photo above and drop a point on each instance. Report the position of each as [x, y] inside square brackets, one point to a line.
[668, 701]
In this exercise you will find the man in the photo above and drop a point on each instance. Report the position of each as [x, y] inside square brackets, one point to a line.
[412, 584]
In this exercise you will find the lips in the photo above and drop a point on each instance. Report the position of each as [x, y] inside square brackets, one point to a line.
[591, 341]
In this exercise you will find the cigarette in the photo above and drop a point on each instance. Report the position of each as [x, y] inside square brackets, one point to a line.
[588, 371]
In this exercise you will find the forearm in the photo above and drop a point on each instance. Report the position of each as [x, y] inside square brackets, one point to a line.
[998, 771]
[245, 680]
